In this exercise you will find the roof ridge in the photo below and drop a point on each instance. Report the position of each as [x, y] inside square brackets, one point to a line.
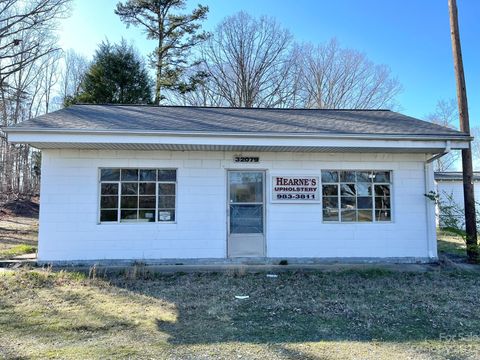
[227, 107]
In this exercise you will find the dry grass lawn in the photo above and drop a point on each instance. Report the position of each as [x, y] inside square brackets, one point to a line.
[18, 228]
[372, 314]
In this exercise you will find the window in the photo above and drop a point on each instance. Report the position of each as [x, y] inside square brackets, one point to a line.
[356, 196]
[137, 195]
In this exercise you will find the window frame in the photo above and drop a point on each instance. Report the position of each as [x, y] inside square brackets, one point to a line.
[338, 185]
[119, 195]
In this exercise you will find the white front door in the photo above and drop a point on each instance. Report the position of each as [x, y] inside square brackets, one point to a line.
[246, 213]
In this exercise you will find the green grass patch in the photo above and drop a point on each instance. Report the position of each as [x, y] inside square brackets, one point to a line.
[17, 250]
[451, 244]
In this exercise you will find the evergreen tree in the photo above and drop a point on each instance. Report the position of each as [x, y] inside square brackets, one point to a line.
[176, 35]
[117, 75]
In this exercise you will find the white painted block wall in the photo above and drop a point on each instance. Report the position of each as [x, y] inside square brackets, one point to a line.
[445, 189]
[69, 209]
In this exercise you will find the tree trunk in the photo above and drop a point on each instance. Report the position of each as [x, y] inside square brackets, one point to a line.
[468, 189]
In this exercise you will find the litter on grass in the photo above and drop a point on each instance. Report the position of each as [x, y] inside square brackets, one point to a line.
[272, 275]
[241, 297]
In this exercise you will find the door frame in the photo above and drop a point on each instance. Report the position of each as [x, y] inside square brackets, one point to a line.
[227, 207]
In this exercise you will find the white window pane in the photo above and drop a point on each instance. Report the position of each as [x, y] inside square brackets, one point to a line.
[167, 175]
[330, 215]
[347, 190]
[330, 190]
[129, 175]
[128, 215]
[382, 215]
[365, 215]
[146, 215]
[129, 188]
[349, 215]
[148, 175]
[166, 189]
[109, 202]
[110, 174]
[109, 189]
[108, 215]
[329, 176]
[166, 215]
[382, 176]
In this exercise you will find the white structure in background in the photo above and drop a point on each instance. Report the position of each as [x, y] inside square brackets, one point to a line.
[179, 184]
[450, 189]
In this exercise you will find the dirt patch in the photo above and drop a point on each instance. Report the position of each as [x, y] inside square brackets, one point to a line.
[20, 208]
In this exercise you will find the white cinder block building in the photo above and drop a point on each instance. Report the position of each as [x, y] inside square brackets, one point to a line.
[450, 191]
[180, 184]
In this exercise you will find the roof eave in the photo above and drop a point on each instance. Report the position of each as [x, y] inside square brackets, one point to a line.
[423, 137]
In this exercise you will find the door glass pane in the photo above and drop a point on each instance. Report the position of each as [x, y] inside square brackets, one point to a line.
[246, 219]
[246, 187]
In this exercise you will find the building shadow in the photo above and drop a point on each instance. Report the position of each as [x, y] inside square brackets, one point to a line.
[311, 307]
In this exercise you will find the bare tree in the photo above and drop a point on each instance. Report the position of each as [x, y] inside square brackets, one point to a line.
[445, 114]
[27, 75]
[20, 18]
[335, 77]
[74, 68]
[49, 79]
[249, 60]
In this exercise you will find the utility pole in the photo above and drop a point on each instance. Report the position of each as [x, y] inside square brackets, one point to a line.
[468, 190]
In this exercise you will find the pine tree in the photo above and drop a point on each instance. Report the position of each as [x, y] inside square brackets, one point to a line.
[176, 34]
[117, 75]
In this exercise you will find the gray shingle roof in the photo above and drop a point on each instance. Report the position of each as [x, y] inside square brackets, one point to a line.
[234, 120]
[454, 176]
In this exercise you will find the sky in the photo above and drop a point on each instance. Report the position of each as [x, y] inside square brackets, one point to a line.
[412, 37]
